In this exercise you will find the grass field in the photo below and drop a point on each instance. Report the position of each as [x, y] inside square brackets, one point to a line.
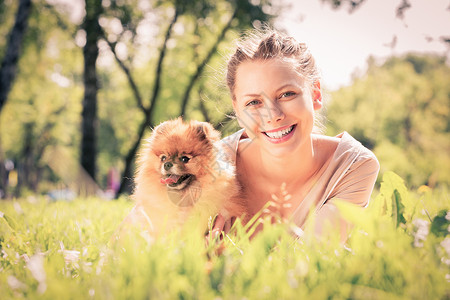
[399, 248]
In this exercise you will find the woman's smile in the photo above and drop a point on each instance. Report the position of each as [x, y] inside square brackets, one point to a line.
[280, 135]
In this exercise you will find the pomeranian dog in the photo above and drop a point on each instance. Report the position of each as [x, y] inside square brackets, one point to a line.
[183, 177]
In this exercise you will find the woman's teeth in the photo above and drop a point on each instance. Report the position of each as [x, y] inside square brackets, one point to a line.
[279, 134]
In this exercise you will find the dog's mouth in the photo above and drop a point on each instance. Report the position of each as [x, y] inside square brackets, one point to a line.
[178, 182]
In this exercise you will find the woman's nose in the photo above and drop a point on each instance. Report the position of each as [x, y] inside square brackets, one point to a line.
[275, 113]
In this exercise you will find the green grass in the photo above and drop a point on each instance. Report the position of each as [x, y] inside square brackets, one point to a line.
[60, 250]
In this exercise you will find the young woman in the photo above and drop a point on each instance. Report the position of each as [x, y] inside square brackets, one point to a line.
[275, 89]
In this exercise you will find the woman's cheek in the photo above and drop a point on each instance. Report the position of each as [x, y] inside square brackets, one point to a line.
[250, 121]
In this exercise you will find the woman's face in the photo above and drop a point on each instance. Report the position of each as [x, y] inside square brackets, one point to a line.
[275, 105]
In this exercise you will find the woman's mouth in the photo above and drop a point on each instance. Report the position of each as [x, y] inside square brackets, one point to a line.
[280, 135]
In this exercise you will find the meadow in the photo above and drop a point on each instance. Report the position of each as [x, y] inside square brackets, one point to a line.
[399, 248]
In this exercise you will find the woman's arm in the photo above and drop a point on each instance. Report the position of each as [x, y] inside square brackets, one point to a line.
[356, 187]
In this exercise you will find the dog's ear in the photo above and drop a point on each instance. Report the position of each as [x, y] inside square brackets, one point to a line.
[166, 127]
[206, 131]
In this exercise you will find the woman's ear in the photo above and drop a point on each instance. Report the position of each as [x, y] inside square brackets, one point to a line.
[317, 95]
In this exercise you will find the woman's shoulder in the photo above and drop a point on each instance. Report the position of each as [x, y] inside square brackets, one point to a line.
[228, 146]
[325, 143]
[351, 151]
[350, 144]
[345, 149]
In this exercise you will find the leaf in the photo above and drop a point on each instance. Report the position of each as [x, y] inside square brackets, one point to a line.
[440, 224]
[393, 193]
[9, 221]
[391, 182]
[398, 209]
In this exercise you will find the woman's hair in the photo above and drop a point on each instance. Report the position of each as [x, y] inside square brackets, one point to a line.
[270, 44]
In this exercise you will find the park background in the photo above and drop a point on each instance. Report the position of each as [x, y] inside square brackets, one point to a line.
[83, 82]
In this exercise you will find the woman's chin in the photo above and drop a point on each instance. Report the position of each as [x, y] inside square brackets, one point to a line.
[283, 148]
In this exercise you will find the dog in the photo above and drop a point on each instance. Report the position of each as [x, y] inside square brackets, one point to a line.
[183, 177]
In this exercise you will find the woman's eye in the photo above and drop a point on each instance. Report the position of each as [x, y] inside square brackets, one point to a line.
[184, 159]
[287, 94]
[163, 157]
[253, 102]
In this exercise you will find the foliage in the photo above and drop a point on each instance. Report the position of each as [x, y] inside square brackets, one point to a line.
[60, 249]
[400, 110]
[45, 99]
[45, 103]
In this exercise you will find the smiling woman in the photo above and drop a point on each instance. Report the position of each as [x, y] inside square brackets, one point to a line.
[276, 93]
[274, 104]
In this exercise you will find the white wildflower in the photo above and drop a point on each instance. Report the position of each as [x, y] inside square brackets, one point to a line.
[446, 245]
[32, 199]
[447, 216]
[15, 283]
[18, 208]
[70, 256]
[36, 267]
[291, 279]
[25, 257]
[297, 230]
[421, 231]
[301, 268]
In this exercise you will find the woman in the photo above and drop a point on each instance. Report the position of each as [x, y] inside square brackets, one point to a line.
[275, 89]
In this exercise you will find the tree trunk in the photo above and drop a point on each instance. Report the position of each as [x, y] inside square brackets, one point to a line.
[89, 114]
[126, 183]
[8, 68]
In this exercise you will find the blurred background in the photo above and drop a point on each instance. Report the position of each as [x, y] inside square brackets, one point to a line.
[83, 82]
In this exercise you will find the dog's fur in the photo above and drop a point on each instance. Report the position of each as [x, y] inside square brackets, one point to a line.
[182, 176]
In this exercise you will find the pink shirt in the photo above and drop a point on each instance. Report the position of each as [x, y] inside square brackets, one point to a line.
[350, 175]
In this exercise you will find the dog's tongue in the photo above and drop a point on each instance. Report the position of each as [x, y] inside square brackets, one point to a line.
[171, 179]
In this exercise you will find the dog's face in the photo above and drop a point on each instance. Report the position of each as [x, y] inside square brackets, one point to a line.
[184, 152]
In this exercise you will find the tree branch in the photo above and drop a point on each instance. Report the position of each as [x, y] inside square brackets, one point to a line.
[126, 70]
[126, 181]
[162, 54]
[202, 65]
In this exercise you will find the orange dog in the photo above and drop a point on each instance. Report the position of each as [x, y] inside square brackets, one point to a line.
[183, 176]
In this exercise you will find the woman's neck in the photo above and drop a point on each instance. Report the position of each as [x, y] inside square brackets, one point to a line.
[294, 168]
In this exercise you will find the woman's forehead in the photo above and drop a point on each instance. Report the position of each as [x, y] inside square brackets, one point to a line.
[265, 76]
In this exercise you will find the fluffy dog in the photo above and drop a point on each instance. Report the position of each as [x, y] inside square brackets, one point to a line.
[183, 177]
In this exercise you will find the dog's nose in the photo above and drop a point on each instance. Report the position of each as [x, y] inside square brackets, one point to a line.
[168, 165]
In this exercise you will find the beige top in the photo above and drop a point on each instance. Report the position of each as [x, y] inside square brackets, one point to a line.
[350, 175]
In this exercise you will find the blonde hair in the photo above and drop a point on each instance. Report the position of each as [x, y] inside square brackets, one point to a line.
[271, 44]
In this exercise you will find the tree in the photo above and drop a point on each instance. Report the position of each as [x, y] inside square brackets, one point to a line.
[242, 14]
[400, 109]
[173, 78]
[8, 67]
[89, 126]
[44, 106]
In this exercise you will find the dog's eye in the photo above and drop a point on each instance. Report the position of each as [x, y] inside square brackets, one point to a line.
[163, 157]
[184, 159]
